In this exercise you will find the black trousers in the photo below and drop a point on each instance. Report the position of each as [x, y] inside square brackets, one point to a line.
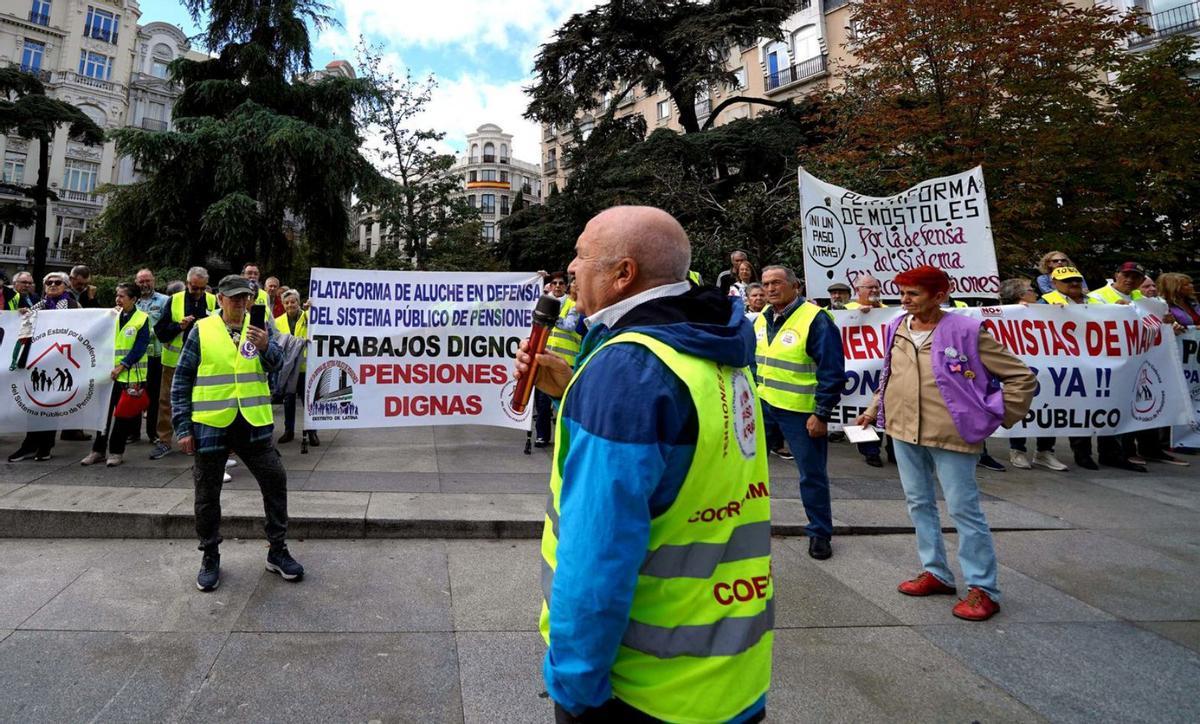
[41, 442]
[1044, 444]
[112, 440]
[263, 462]
[542, 414]
[153, 385]
[616, 711]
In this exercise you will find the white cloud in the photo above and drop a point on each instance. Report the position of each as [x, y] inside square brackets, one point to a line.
[462, 104]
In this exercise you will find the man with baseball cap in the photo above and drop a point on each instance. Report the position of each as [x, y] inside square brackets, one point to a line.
[1068, 288]
[1124, 287]
[221, 403]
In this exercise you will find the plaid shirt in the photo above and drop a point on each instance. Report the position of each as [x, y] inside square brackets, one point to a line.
[212, 439]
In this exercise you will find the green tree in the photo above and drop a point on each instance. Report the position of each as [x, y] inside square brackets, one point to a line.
[417, 200]
[258, 148]
[1157, 104]
[680, 46]
[463, 249]
[27, 112]
[1020, 88]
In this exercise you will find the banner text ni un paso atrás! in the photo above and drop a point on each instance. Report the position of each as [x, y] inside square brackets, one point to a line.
[942, 222]
[394, 349]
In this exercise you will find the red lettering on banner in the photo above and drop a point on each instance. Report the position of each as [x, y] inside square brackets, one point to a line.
[1140, 338]
[1034, 336]
[424, 405]
[1103, 339]
[862, 343]
[425, 373]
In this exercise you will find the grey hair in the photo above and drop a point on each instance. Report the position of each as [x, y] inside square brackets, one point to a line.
[198, 272]
[752, 286]
[61, 276]
[788, 273]
[26, 273]
[1012, 289]
[175, 287]
[291, 293]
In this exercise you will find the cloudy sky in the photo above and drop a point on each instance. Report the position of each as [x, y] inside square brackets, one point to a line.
[480, 52]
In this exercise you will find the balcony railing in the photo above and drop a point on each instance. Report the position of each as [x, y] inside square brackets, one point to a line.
[548, 133]
[1182, 19]
[108, 36]
[489, 158]
[84, 80]
[18, 252]
[42, 75]
[39, 18]
[796, 73]
[154, 124]
[526, 189]
[703, 107]
[504, 159]
[488, 210]
[86, 197]
[550, 166]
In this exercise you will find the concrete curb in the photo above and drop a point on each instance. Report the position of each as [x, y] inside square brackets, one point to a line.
[61, 511]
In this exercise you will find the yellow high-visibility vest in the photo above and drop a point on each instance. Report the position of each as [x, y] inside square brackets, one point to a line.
[787, 376]
[126, 336]
[230, 378]
[171, 349]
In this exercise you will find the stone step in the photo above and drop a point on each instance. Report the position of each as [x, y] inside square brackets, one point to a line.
[38, 510]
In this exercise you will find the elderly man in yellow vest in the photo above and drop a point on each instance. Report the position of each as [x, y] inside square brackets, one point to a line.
[658, 595]
[867, 291]
[221, 403]
[184, 310]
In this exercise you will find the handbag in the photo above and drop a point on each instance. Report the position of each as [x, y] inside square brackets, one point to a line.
[133, 401]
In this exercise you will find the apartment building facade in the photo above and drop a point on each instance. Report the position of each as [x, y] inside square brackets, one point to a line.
[96, 56]
[491, 179]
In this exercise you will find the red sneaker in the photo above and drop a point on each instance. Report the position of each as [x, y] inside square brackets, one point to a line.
[925, 584]
[977, 606]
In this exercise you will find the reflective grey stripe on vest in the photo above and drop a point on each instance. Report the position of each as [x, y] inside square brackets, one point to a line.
[789, 387]
[553, 514]
[212, 405]
[560, 350]
[699, 560]
[173, 347]
[211, 380]
[784, 365]
[727, 637]
[547, 580]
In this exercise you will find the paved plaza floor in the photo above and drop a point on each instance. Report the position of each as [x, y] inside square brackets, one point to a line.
[1100, 617]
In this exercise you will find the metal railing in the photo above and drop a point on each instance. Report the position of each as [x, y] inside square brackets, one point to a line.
[108, 36]
[42, 75]
[86, 197]
[796, 73]
[489, 158]
[154, 124]
[1182, 19]
[704, 107]
[504, 159]
[39, 18]
[550, 165]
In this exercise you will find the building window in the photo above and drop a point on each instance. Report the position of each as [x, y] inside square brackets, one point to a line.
[664, 109]
[472, 176]
[31, 56]
[158, 68]
[489, 153]
[503, 153]
[39, 13]
[14, 168]
[80, 176]
[805, 43]
[741, 79]
[488, 174]
[471, 200]
[69, 229]
[504, 206]
[101, 25]
[474, 153]
[489, 231]
[9, 231]
[504, 175]
[487, 203]
[94, 65]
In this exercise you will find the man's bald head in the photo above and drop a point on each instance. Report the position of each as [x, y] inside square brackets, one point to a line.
[650, 236]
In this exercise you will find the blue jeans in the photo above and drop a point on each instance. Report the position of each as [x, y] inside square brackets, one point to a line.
[812, 457]
[956, 472]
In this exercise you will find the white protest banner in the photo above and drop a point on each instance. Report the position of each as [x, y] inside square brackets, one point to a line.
[65, 380]
[396, 349]
[1189, 351]
[942, 222]
[1102, 369]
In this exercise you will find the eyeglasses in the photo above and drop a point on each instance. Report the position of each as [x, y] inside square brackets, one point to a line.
[869, 286]
[54, 283]
[1060, 261]
[558, 283]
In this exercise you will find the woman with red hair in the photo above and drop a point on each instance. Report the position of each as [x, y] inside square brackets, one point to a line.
[946, 386]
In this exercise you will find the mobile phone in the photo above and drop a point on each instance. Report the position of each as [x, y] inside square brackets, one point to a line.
[258, 316]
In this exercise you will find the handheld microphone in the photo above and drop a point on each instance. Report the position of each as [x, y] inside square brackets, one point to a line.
[544, 316]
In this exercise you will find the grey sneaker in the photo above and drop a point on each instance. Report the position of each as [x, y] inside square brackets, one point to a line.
[210, 571]
[160, 450]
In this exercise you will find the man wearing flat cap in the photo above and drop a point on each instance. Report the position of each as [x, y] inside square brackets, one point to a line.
[839, 295]
[221, 403]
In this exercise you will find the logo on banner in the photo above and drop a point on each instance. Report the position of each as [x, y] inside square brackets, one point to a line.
[744, 406]
[60, 375]
[824, 237]
[992, 311]
[1149, 394]
[506, 396]
[331, 392]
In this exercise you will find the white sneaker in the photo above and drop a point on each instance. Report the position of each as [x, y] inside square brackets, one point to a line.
[228, 478]
[230, 463]
[1019, 459]
[92, 458]
[114, 461]
[1048, 461]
